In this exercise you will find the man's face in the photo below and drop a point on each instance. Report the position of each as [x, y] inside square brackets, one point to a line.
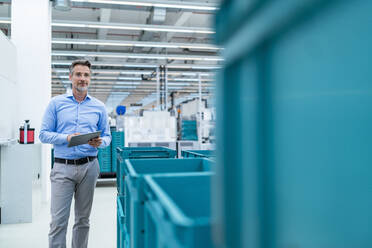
[80, 78]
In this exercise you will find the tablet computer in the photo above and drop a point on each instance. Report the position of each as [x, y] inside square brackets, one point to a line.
[83, 138]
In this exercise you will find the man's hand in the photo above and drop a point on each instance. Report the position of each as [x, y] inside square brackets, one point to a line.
[96, 142]
[69, 137]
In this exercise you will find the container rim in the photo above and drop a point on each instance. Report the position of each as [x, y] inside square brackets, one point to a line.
[175, 213]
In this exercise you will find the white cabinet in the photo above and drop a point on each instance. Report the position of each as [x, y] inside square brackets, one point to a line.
[20, 182]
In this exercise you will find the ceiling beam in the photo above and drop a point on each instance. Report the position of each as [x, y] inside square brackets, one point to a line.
[182, 19]
[105, 15]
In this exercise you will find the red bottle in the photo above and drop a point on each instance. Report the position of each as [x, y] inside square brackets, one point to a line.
[30, 137]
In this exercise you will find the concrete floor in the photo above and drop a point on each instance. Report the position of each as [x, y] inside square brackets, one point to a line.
[35, 234]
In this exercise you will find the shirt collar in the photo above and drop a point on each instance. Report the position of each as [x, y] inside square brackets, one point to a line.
[71, 96]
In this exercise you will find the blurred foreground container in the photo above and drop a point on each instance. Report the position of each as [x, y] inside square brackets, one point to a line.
[295, 103]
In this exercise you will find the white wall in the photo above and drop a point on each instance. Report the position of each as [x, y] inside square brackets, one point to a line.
[31, 34]
[8, 89]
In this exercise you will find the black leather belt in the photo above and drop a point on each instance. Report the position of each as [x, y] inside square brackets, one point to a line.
[79, 161]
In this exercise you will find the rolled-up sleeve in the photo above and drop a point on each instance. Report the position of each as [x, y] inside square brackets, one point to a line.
[48, 132]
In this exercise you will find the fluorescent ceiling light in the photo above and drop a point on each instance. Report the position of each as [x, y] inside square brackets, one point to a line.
[130, 78]
[135, 27]
[187, 79]
[178, 84]
[145, 83]
[5, 20]
[124, 26]
[200, 67]
[134, 44]
[100, 63]
[120, 83]
[139, 79]
[139, 72]
[191, 79]
[202, 74]
[123, 87]
[103, 77]
[136, 55]
[139, 65]
[155, 3]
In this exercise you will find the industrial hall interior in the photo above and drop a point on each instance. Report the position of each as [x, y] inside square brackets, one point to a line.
[185, 124]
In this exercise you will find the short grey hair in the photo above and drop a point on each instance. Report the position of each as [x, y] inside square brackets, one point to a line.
[79, 62]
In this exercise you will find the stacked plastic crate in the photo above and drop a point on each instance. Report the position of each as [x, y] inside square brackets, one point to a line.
[189, 130]
[104, 159]
[117, 140]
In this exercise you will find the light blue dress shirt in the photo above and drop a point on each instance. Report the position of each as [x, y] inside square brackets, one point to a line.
[64, 116]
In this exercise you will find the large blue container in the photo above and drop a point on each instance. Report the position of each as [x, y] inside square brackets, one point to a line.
[138, 152]
[177, 211]
[117, 140]
[198, 153]
[135, 169]
[294, 145]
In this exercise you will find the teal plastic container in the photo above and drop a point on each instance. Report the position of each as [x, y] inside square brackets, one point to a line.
[104, 159]
[198, 153]
[135, 169]
[120, 222]
[122, 235]
[189, 130]
[294, 130]
[134, 153]
[178, 211]
[117, 140]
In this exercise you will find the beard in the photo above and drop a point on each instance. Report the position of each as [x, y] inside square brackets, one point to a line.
[81, 89]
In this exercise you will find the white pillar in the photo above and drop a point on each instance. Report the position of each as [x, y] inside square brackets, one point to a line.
[31, 34]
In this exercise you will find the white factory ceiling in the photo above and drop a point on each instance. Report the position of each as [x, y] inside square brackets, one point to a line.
[127, 41]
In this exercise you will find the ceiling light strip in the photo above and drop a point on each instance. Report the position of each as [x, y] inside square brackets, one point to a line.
[139, 65]
[5, 20]
[134, 44]
[137, 56]
[155, 3]
[139, 72]
[135, 27]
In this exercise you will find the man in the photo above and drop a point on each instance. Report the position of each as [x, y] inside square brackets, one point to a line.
[76, 168]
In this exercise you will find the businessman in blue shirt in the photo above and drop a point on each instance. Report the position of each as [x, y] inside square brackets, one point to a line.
[76, 169]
